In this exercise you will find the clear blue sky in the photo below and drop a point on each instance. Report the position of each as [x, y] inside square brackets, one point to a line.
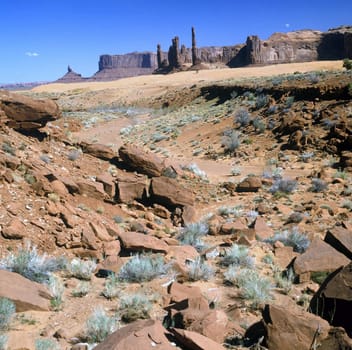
[39, 38]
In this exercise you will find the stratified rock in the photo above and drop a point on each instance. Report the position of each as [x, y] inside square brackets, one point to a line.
[141, 161]
[25, 113]
[169, 192]
[319, 257]
[292, 329]
[15, 229]
[144, 334]
[130, 187]
[27, 295]
[195, 341]
[92, 189]
[341, 239]
[98, 150]
[333, 301]
[249, 184]
[134, 241]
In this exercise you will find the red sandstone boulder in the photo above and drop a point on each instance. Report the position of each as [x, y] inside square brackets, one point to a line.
[26, 294]
[130, 187]
[169, 192]
[140, 242]
[141, 161]
[141, 335]
[98, 150]
[249, 184]
[23, 112]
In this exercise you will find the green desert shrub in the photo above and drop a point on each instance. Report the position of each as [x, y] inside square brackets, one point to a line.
[46, 344]
[111, 288]
[198, 269]
[347, 63]
[32, 265]
[133, 307]
[261, 101]
[99, 325]
[318, 185]
[283, 186]
[81, 290]
[56, 288]
[238, 255]
[7, 312]
[3, 341]
[143, 268]
[242, 117]
[82, 269]
[292, 238]
[192, 234]
[231, 141]
[253, 287]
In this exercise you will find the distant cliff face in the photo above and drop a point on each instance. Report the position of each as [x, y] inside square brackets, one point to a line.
[298, 46]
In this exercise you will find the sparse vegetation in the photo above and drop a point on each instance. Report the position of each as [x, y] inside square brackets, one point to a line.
[347, 63]
[56, 288]
[7, 312]
[242, 117]
[111, 288]
[133, 307]
[46, 344]
[238, 255]
[30, 264]
[99, 325]
[318, 185]
[284, 186]
[8, 148]
[231, 141]
[81, 290]
[3, 341]
[198, 269]
[143, 268]
[192, 234]
[82, 269]
[293, 238]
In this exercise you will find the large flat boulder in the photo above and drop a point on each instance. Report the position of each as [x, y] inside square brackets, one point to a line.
[23, 112]
[26, 294]
[341, 239]
[135, 241]
[287, 328]
[141, 161]
[98, 150]
[319, 257]
[143, 335]
[170, 193]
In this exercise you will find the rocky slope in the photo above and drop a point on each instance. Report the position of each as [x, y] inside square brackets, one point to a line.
[202, 186]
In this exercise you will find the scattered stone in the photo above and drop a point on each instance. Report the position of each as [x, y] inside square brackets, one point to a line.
[15, 229]
[141, 161]
[319, 257]
[249, 184]
[143, 334]
[27, 295]
[169, 192]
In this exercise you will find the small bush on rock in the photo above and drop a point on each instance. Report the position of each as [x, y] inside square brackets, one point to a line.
[134, 307]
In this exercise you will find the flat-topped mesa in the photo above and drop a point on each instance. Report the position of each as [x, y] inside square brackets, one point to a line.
[127, 65]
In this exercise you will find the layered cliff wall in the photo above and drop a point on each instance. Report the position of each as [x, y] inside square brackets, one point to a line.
[298, 46]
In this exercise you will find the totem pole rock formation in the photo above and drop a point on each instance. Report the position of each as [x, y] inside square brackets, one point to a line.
[195, 59]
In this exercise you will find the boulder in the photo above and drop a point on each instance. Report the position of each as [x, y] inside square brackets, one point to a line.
[333, 300]
[179, 292]
[26, 294]
[179, 254]
[261, 228]
[134, 241]
[341, 239]
[141, 161]
[143, 334]
[130, 187]
[249, 184]
[92, 189]
[108, 183]
[15, 229]
[195, 341]
[24, 113]
[287, 328]
[319, 257]
[170, 193]
[98, 150]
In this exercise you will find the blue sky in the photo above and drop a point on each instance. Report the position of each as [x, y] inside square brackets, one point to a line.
[39, 38]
